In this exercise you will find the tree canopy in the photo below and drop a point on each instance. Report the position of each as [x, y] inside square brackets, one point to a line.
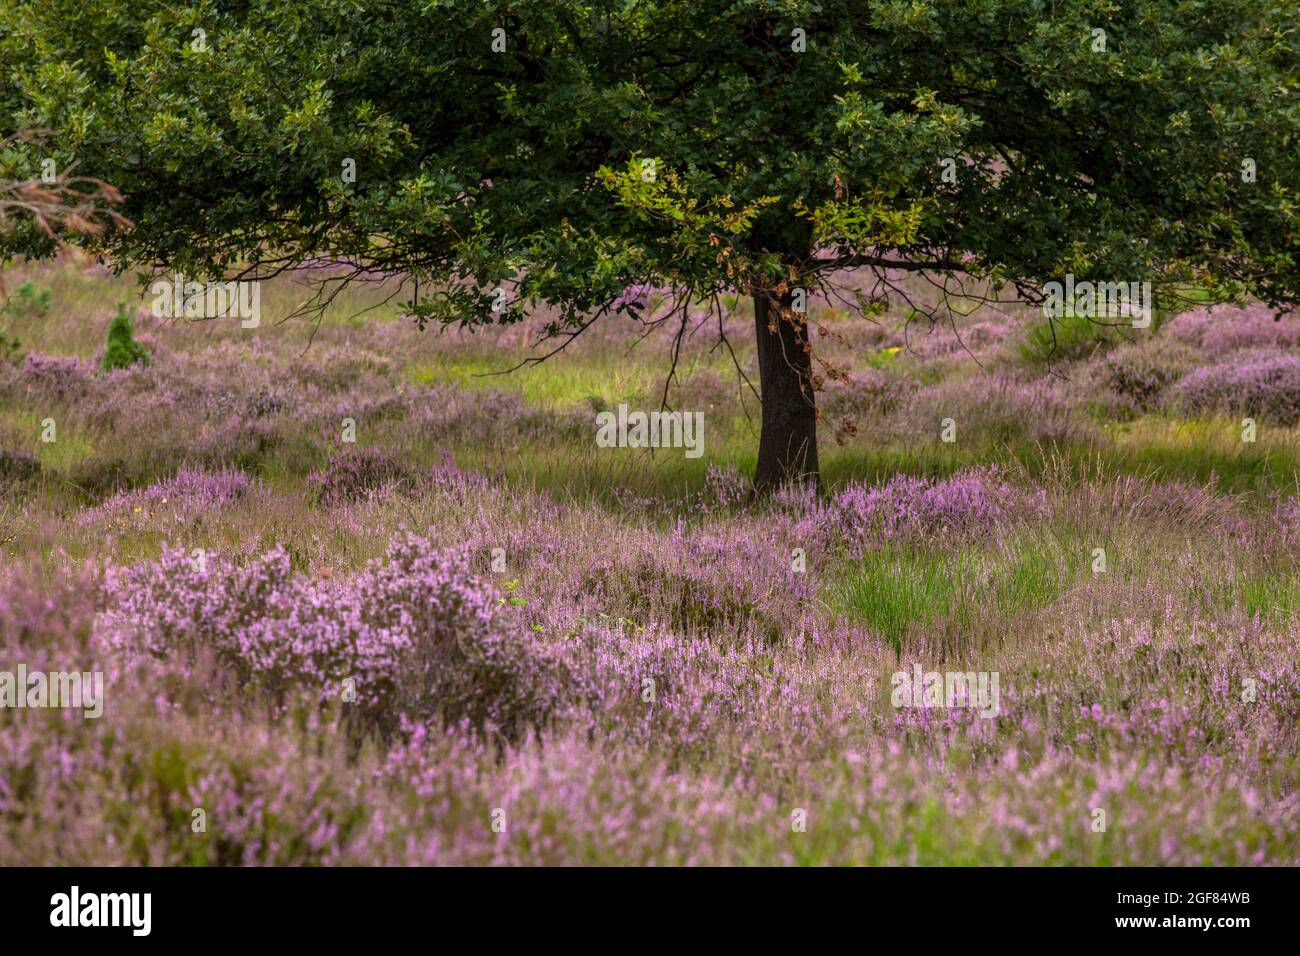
[567, 149]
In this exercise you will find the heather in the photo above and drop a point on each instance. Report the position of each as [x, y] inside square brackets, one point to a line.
[366, 644]
[1262, 382]
[413, 635]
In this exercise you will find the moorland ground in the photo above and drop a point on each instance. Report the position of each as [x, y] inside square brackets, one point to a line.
[473, 636]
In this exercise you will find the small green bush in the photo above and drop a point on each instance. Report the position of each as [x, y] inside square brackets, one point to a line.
[123, 350]
[28, 299]
[1068, 338]
[11, 350]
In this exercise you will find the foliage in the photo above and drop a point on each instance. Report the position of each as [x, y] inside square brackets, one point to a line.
[527, 167]
[123, 350]
[28, 299]
[1068, 339]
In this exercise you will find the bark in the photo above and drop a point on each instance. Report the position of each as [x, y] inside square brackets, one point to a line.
[787, 447]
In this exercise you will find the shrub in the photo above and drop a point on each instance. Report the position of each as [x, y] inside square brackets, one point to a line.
[867, 394]
[350, 476]
[1225, 328]
[971, 502]
[415, 633]
[1068, 338]
[28, 299]
[58, 377]
[1259, 382]
[123, 350]
[189, 493]
[1140, 372]
[997, 408]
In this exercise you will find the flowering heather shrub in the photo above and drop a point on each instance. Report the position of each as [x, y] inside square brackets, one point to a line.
[58, 377]
[1262, 383]
[971, 502]
[415, 632]
[1287, 516]
[867, 393]
[729, 743]
[737, 581]
[38, 610]
[942, 339]
[361, 408]
[444, 413]
[706, 389]
[224, 383]
[268, 400]
[1131, 499]
[1224, 328]
[351, 369]
[351, 475]
[649, 679]
[1140, 372]
[694, 686]
[448, 480]
[995, 407]
[17, 465]
[187, 494]
[724, 489]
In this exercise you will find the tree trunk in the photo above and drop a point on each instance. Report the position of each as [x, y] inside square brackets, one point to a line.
[787, 446]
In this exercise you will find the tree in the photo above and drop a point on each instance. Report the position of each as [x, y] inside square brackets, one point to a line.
[54, 206]
[565, 150]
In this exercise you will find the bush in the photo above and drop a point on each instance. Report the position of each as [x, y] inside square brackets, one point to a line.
[57, 377]
[415, 634]
[972, 502]
[1225, 328]
[1068, 338]
[1139, 373]
[997, 408]
[350, 476]
[123, 350]
[1260, 382]
[190, 493]
[28, 299]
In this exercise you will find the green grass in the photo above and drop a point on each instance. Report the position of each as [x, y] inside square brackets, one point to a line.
[1200, 449]
[893, 592]
[899, 589]
[599, 382]
[1069, 338]
[71, 445]
[1268, 595]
